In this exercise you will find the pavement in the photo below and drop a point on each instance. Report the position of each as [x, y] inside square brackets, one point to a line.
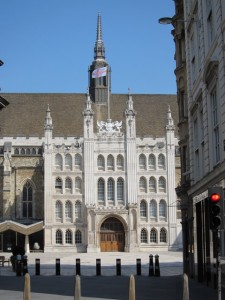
[108, 286]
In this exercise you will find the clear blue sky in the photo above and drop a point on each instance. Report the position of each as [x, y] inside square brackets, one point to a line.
[48, 45]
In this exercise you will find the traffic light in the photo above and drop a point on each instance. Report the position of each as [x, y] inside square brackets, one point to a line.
[215, 195]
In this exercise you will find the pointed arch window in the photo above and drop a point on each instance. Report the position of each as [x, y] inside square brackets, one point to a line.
[101, 162]
[58, 162]
[110, 190]
[101, 190]
[58, 185]
[58, 237]
[78, 237]
[163, 235]
[144, 236]
[151, 162]
[28, 151]
[162, 185]
[33, 151]
[120, 190]
[16, 152]
[68, 185]
[142, 162]
[143, 185]
[152, 185]
[120, 162]
[68, 162]
[162, 209]
[27, 200]
[78, 162]
[78, 185]
[68, 210]
[58, 211]
[68, 237]
[22, 151]
[161, 161]
[153, 236]
[78, 210]
[110, 162]
[143, 211]
[153, 209]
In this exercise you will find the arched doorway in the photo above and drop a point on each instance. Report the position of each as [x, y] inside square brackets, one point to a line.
[112, 236]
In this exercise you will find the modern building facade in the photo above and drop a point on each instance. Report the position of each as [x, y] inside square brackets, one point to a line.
[199, 35]
[89, 173]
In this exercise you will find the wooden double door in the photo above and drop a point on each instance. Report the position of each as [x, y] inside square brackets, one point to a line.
[112, 237]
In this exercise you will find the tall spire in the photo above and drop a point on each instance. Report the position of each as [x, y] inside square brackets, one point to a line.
[99, 45]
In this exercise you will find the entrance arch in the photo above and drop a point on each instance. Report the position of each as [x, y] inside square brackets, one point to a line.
[112, 236]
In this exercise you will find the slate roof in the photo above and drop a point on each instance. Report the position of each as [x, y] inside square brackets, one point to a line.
[25, 114]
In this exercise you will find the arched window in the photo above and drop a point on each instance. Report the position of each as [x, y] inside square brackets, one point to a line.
[162, 209]
[161, 161]
[120, 190]
[68, 210]
[78, 162]
[144, 236]
[101, 190]
[68, 162]
[78, 210]
[27, 151]
[58, 237]
[151, 162]
[78, 185]
[120, 162]
[153, 209]
[153, 236]
[33, 151]
[152, 185]
[142, 162]
[110, 162]
[58, 162]
[110, 190]
[162, 185]
[101, 162]
[58, 211]
[68, 185]
[16, 151]
[78, 237]
[27, 200]
[68, 239]
[143, 185]
[22, 151]
[58, 185]
[163, 235]
[143, 211]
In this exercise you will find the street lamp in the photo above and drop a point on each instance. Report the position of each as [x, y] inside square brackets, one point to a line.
[166, 20]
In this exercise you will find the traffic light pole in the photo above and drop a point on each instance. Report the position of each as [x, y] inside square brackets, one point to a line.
[218, 265]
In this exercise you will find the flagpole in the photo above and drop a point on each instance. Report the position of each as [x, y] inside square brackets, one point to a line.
[108, 96]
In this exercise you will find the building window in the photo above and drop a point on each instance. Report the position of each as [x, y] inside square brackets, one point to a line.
[110, 162]
[215, 126]
[101, 190]
[58, 185]
[153, 209]
[111, 192]
[68, 236]
[78, 237]
[68, 185]
[144, 236]
[78, 210]
[143, 211]
[161, 162]
[153, 236]
[152, 185]
[101, 162]
[78, 185]
[78, 162]
[151, 162]
[162, 185]
[120, 190]
[142, 162]
[68, 162]
[58, 237]
[58, 162]
[120, 162]
[162, 209]
[163, 235]
[27, 200]
[58, 211]
[143, 185]
[68, 210]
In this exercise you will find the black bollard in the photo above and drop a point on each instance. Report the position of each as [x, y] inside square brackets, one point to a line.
[25, 270]
[138, 264]
[157, 269]
[18, 265]
[98, 267]
[118, 267]
[37, 266]
[151, 267]
[57, 266]
[78, 266]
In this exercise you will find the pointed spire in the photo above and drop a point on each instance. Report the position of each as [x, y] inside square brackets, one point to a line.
[99, 49]
[130, 105]
[48, 119]
[170, 122]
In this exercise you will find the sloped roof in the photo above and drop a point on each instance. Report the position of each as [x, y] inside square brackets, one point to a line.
[25, 115]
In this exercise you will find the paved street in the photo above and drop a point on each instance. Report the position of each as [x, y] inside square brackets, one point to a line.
[108, 286]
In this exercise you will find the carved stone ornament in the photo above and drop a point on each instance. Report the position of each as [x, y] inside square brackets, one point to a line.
[109, 126]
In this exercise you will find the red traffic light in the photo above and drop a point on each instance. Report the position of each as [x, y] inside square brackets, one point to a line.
[215, 197]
